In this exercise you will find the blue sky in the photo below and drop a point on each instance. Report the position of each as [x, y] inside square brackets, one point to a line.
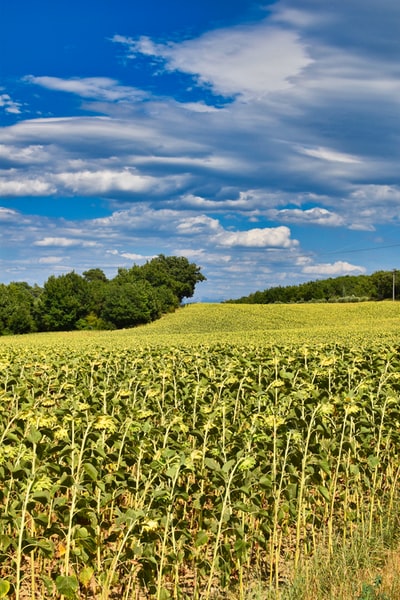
[261, 140]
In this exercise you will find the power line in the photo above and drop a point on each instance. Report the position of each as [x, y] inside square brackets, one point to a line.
[361, 249]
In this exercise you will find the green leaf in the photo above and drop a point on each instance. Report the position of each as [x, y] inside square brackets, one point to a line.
[243, 507]
[228, 465]
[373, 461]
[85, 576]
[34, 436]
[325, 466]
[81, 532]
[240, 547]
[201, 538]
[211, 464]
[4, 588]
[42, 496]
[12, 437]
[5, 541]
[67, 585]
[172, 471]
[91, 471]
[325, 493]
[265, 482]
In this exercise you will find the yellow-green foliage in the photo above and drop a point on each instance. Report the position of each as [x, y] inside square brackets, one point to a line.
[277, 323]
[180, 458]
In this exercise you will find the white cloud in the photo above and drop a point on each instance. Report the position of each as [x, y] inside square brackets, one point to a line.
[7, 214]
[87, 182]
[52, 260]
[295, 17]
[333, 269]
[9, 105]
[361, 227]
[377, 194]
[329, 155]
[368, 206]
[103, 181]
[12, 185]
[274, 237]
[303, 260]
[201, 229]
[132, 256]
[228, 60]
[200, 107]
[150, 134]
[140, 218]
[31, 154]
[98, 88]
[311, 216]
[64, 242]
[198, 224]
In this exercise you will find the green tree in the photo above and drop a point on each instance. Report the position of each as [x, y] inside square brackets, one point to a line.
[17, 305]
[94, 275]
[97, 288]
[130, 304]
[167, 301]
[64, 300]
[383, 283]
[175, 272]
[377, 286]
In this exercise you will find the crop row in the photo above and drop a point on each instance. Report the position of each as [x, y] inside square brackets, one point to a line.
[177, 472]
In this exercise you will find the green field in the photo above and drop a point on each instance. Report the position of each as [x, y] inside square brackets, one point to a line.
[212, 454]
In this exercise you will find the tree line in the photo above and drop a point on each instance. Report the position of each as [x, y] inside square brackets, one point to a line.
[135, 296]
[347, 288]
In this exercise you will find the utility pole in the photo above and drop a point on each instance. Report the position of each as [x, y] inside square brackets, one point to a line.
[394, 285]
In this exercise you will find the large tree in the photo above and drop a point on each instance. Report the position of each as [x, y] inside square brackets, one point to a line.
[175, 272]
[130, 304]
[17, 306]
[65, 300]
[97, 289]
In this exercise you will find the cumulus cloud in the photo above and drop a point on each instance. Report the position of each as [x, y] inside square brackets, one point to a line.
[26, 155]
[373, 195]
[270, 237]
[104, 181]
[88, 182]
[13, 186]
[198, 224]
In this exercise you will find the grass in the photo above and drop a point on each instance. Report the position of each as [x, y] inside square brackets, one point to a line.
[366, 568]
